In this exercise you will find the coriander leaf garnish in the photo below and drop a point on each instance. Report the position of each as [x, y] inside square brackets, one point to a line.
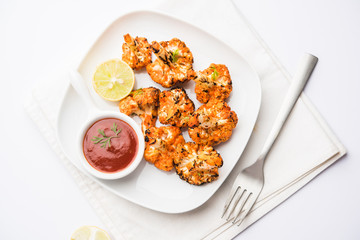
[101, 132]
[114, 129]
[105, 140]
[215, 73]
[96, 139]
[175, 55]
[138, 91]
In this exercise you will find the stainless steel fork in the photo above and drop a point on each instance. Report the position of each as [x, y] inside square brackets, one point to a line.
[250, 181]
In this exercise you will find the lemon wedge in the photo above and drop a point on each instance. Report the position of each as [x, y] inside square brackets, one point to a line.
[90, 233]
[113, 80]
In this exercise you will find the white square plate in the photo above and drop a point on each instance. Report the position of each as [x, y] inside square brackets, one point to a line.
[148, 186]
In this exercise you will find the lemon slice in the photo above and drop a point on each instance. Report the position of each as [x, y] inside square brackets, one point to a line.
[90, 233]
[113, 80]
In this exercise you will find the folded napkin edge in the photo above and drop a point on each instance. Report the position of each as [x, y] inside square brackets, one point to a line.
[287, 75]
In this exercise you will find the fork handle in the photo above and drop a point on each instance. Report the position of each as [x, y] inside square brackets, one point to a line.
[302, 75]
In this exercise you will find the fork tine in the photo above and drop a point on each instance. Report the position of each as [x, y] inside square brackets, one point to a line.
[236, 202]
[241, 209]
[232, 194]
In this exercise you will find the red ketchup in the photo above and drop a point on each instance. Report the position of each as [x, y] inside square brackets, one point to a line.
[110, 145]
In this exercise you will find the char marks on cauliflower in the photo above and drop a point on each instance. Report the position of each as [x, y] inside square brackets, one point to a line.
[212, 123]
[161, 144]
[136, 51]
[175, 107]
[213, 83]
[197, 164]
[173, 64]
[144, 103]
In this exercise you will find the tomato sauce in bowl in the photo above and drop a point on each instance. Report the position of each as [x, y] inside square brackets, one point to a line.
[110, 145]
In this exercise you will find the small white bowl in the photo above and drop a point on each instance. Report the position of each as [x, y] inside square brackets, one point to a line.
[139, 155]
[95, 114]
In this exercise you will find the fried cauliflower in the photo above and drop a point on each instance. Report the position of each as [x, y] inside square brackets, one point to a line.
[213, 83]
[197, 164]
[212, 123]
[173, 64]
[144, 103]
[175, 107]
[161, 144]
[136, 51]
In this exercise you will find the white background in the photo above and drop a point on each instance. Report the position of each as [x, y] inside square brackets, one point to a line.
[40, 200]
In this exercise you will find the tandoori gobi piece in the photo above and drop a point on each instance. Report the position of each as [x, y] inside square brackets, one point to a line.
[175, 107]
[173, 64]
[136, 51]
[143, 102]
[197, 164]
[212, 123]
[213, 83]
[161, 144]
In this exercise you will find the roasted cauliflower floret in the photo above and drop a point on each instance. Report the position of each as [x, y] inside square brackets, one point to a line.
[212, 123]
[213, 83]
[136, 51]
[197, 164]
[173, 64]
[161, 144]
[143, 102]
[175, 107]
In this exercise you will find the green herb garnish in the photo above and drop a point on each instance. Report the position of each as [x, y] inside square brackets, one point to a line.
[105, 140]
[175, 55]
[215, 73]
[138, 91]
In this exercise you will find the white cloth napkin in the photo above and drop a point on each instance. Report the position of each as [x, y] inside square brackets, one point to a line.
[305, 147]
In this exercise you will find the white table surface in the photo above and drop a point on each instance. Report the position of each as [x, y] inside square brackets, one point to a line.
[40, 200]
